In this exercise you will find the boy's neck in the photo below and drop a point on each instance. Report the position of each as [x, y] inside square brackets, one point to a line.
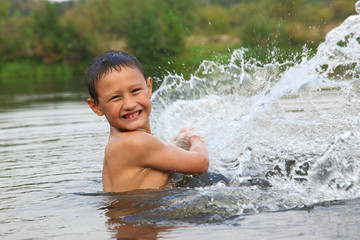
[126, 130]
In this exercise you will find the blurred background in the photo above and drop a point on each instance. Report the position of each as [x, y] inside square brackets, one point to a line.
[47, 45]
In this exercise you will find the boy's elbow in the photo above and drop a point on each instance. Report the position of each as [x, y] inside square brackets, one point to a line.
[204, 163]
[206, 167]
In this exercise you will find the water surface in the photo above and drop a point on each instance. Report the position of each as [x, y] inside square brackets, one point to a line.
[51, 158]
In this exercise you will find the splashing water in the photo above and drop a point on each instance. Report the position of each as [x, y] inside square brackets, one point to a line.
[357, 7]
[281, 134]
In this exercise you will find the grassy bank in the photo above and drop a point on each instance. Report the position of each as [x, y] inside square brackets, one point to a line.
[29, 73]
[31, 77]
[24, 71]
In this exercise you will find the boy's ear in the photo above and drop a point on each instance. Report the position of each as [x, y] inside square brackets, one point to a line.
[149, 83]
[95, 107]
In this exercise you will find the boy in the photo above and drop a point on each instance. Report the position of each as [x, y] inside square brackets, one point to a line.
[134, 159]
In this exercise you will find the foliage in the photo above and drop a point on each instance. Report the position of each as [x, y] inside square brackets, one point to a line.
[47, 34]
[156, 31]
[144, 38]
[23, 70]
[4, 10]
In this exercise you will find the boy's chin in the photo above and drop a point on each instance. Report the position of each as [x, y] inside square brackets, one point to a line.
[139, 126]
[131, 129]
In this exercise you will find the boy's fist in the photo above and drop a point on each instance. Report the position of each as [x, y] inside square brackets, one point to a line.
[185, 136]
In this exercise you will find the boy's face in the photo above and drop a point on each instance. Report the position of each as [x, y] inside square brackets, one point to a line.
[124, 98]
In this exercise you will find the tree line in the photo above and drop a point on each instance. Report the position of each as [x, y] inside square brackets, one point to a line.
[75, 31]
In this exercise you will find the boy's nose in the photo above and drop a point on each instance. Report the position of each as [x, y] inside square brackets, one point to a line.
[129, 103]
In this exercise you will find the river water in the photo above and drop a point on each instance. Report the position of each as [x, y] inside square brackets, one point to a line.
[283, 140]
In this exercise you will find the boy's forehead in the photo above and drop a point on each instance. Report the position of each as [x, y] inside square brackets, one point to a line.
[119, 71]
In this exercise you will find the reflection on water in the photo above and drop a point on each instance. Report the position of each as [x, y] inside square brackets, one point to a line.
[42, 166]
[337, 222]
[117, 207]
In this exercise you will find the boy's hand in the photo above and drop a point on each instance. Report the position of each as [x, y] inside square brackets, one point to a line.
[186, 137]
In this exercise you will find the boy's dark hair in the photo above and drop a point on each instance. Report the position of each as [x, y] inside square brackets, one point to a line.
[104, 64]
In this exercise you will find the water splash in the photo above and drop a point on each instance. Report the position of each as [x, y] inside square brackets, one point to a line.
[284, 134]
[357, 7]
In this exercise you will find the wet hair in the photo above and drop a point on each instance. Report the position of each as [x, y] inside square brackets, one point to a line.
[105, 63]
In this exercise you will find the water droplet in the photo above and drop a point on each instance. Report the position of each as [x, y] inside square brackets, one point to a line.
[357, 7]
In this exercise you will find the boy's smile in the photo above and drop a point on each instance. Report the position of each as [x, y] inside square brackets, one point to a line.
[124, 98]
[132, 116]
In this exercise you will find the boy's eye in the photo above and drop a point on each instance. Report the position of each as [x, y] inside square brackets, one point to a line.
[136, 90]
[115, 97]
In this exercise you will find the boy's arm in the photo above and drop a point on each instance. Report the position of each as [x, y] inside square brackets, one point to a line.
[197, 145]
[169, 158]
[190, 140]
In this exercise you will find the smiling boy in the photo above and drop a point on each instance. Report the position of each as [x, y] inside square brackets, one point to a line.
[134, 159]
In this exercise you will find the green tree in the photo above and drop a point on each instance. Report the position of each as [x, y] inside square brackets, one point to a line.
[241, 12]
[75, 47]
[4, 10]
[46, 37]
[259, 30]
[145, 37]
[173, 35]
[186, 11]
[14, 38]
[284, 9]
[55, 41]
[215, 19]
[157, 29]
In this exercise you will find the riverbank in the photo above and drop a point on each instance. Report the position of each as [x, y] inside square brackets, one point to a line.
[25, 75]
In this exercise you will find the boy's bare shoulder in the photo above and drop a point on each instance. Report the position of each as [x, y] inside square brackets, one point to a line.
[131, 138]
[135, 142]
[138, 149]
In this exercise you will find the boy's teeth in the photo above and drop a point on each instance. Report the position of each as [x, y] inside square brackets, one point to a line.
[132, 115]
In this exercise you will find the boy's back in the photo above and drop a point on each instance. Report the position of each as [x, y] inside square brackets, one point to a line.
[138, 160]
[123, 169]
